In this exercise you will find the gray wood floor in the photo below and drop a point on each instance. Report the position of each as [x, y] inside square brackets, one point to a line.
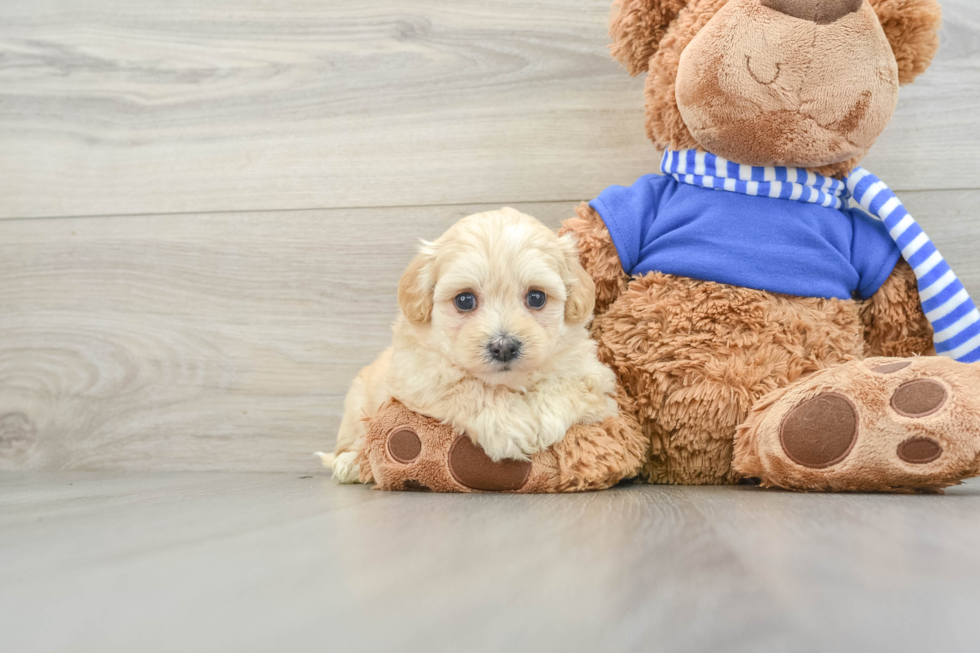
[107, 562]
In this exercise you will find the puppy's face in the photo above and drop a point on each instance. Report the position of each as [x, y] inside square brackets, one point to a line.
[497, 293]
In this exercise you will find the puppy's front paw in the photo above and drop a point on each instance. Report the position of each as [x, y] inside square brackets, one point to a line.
[345, 467]
[551, 430]
[498, 448]
[508, 444]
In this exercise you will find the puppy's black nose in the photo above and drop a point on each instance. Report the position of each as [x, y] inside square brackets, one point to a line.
[504, 348]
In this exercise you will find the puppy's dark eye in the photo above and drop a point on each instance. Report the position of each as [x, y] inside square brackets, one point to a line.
[465, 301]
[536, 299]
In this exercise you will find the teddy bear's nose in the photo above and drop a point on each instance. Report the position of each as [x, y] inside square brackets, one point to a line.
[819, 11]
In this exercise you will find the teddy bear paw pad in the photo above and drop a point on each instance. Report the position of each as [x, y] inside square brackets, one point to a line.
[404, 445]
[891, 368]
[821, 431]
[473, 468]
[880, 424]
[919, 451]
[919, 398]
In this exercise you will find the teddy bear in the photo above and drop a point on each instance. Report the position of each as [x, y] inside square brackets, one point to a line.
[770, 308]
[736, 313]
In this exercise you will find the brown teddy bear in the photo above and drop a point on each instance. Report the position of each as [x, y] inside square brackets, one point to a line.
[759, 325]
[718, 299]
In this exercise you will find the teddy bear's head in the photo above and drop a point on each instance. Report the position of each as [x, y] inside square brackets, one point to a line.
[803, 83]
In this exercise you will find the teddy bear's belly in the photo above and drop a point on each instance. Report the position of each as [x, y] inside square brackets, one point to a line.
[696, 355]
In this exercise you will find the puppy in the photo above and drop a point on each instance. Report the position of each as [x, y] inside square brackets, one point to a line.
[491, 339]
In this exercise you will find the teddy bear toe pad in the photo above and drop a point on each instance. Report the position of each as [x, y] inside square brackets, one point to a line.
[919, 398]
[919, 451]
[404, 444]
[879, 424]
[471, 467]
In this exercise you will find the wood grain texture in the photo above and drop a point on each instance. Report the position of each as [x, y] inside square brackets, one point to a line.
[256, 562]
[112, 107]
[227, 341]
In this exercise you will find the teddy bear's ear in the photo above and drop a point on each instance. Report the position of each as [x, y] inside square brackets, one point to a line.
[637, 27]
[912, 28]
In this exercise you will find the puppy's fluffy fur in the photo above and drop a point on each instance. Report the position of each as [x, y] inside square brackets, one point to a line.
[441, 363]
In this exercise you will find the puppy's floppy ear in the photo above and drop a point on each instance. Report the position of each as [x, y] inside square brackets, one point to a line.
[637, 26]
[417, 285]
[580, 288]
[912, 28]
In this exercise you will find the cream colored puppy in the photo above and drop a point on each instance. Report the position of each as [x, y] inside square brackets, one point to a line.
[491, 339]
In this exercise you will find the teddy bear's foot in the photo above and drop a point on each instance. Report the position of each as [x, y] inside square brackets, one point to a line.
[408, 451]
[882, 424]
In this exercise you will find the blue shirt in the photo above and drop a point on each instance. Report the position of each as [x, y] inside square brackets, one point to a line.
[782, 246]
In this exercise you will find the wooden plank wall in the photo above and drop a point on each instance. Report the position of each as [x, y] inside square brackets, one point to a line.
[205, 205]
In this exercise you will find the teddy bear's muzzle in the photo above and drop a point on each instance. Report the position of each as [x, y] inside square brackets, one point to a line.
[821, 12]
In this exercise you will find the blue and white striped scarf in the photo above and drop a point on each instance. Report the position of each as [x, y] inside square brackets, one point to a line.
[949, 309]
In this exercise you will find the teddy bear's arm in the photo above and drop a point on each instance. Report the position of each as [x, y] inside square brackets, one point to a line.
[894, 324]
[597, 254]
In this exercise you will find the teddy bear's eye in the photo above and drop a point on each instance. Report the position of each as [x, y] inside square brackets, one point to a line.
[536, 299]
[465, 301]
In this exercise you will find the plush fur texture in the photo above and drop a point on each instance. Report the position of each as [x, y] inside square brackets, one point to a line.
[910, 27]
[637, 28]
[891, 323]
[761, 87]
[697, 358]
[874, 462]
[439, 363]
[589, 457]
[696, 355]
[894, 324]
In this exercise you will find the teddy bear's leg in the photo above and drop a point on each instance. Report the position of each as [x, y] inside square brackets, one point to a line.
[882, 424]
[697, 355]
[407, 451]
[597, 456]
[894, 324]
